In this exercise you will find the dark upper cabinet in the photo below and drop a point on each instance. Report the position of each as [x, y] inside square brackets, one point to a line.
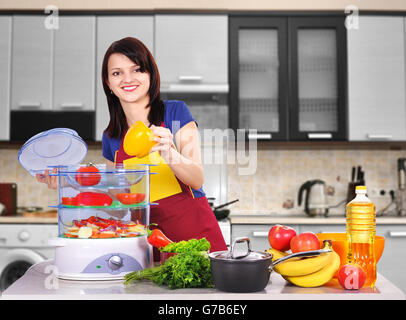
[287, 77]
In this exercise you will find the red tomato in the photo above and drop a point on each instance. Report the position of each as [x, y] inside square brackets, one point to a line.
[130, 198]
[279, 237]
[88, 175]
[351, 277]
[305, 241]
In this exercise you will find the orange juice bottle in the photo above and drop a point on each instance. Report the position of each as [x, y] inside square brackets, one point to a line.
[361, 234]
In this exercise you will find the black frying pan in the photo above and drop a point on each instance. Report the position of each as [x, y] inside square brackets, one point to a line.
[220, 213]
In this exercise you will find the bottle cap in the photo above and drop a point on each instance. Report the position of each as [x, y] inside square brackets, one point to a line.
[360, 189]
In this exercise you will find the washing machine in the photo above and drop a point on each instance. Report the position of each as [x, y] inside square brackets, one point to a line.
[21, 246]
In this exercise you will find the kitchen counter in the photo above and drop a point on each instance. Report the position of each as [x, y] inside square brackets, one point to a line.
[20, 219]
[302, 219]
[242, 219]
[40, 283]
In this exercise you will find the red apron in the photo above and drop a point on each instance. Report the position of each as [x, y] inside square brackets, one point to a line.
[183, 217]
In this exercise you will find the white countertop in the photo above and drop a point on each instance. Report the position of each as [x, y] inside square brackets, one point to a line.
[39, 284]
[20, 219]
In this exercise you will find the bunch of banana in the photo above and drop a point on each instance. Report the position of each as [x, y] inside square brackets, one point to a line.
[308, 271]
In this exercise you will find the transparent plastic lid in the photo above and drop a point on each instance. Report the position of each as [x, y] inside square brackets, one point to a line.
[55, 147]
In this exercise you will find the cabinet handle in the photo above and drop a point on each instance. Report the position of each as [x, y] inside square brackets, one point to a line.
[372, 136]
[259, 136]
[397, 234]
[260, 234]
[72, 105]
[195, 88]
[319, 135]
[190, 78]
[29, 105]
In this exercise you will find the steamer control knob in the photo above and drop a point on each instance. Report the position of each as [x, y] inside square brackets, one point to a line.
[115, 262]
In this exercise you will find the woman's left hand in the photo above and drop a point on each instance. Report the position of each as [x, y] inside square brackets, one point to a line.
[164, 138]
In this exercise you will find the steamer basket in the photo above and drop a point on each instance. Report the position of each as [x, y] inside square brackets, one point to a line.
[101, 238]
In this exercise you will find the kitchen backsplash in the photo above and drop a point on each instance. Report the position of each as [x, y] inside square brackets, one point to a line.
[280, 173]
[278, 177]
[29, 191]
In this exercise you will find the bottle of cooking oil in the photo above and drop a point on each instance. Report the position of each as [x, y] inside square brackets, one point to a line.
[361, 234]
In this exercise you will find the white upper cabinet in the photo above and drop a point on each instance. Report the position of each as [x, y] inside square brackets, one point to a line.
[376, 79]
[192, 52]
[53, 68]
[5, 60]
[31, 63]
[74, 67]
[110, 29]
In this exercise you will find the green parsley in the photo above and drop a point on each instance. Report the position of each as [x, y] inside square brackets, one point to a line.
[189, 268]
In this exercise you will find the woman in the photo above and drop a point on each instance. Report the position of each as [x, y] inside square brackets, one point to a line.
[131, 83]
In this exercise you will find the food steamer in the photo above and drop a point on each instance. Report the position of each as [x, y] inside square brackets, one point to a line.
[101, 235]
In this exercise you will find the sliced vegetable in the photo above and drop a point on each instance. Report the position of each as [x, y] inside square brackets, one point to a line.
[130, 198]
[96, 228]
[85, 232]
[70, 201]
[71, 234]
[88, 175]
[93, 199]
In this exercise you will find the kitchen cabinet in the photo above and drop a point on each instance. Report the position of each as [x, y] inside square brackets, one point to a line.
[31, 64]
[393, 259]
[55, 67]
[110, 29]
[376, 79]
[287, 77]
[257, 233]
[5, 61]
[192, 52]
[74, 67]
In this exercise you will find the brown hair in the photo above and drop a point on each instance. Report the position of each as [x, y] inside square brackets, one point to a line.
[137, 52]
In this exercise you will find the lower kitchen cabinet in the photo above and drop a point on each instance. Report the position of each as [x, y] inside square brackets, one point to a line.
[391, 265]
[319, 228]
[393, 260]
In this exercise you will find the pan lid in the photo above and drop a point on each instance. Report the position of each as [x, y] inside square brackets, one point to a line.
[55, 147]
[252, 256]
[233, 256]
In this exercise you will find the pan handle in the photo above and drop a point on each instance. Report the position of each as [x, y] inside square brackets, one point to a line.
[301, 254]
[225, 204]
[239, 240]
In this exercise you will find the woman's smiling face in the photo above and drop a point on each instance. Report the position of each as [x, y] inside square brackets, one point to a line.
[126, 80]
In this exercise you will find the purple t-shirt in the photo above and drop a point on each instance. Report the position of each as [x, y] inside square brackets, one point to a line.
[176, 115]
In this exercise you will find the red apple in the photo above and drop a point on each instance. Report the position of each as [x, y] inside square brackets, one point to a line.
[279, 237]
[305, 241]
[351, 277]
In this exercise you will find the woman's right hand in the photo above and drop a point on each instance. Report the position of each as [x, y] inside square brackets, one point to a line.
[50, 181]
